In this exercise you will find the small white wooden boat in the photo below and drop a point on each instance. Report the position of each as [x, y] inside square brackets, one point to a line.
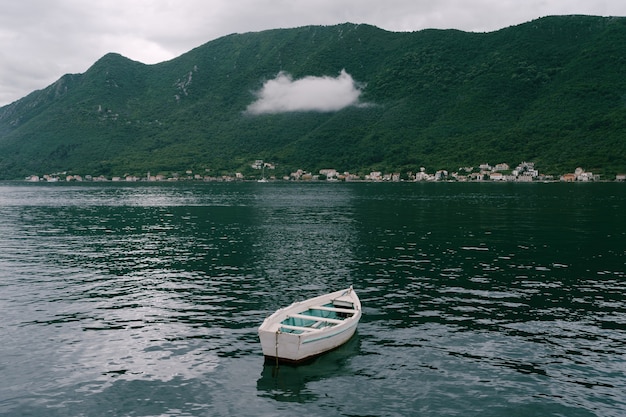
[306, 329]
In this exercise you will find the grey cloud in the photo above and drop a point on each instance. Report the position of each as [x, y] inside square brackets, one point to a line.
[40, 40]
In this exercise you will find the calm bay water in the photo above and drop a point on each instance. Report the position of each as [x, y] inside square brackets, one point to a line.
[478, 299]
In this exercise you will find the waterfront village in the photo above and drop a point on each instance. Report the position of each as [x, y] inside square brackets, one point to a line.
[502, 172]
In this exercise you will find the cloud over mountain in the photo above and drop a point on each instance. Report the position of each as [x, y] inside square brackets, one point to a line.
[321, 94]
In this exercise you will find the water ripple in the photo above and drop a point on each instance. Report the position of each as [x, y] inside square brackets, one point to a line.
[144, 300]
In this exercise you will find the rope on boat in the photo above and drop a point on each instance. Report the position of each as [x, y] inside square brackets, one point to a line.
[276, 346]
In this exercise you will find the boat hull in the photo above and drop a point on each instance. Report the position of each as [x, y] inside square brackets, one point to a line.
[283, 346]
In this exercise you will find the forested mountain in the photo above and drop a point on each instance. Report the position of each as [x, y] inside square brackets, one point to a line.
[551, 91]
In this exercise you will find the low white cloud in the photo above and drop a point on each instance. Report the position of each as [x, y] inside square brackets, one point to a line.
[320, 94]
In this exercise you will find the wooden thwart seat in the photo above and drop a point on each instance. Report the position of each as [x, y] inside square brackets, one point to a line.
[334, 309]
[301, 328]
[315, 318]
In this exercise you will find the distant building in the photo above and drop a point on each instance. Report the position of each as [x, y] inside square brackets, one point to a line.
[441, 175]
[329, 173]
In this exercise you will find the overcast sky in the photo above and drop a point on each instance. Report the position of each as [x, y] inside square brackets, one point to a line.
[40, 40]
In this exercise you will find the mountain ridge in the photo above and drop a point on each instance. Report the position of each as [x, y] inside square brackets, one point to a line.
[551, 91]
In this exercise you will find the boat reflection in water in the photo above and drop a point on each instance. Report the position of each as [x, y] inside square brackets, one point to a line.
[290, 383]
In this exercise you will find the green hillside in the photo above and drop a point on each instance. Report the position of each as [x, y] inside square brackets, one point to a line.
[551, 91]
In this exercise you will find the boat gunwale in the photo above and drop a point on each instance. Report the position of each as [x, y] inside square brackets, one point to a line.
[272, 323]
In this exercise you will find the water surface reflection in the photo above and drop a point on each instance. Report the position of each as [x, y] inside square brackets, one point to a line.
[288, 383]
[479, 299]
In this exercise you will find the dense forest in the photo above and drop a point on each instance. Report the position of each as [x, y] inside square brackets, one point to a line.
[550, 91]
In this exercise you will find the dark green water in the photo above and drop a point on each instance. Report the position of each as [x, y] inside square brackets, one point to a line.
[478, 299]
